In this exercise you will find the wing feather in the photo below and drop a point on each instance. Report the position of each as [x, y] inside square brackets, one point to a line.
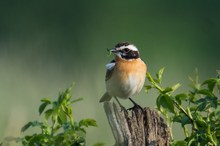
[109, 70]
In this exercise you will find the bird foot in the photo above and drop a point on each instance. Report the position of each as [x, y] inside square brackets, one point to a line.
[135, 105]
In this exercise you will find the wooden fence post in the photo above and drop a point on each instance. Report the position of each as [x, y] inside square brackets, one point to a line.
[137, 127]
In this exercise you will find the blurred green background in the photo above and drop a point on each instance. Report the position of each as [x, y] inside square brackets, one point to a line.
[47, 45]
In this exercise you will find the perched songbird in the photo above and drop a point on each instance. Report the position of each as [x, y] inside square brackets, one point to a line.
[125, 74]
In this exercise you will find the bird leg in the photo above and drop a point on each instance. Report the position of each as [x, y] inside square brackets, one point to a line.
[122, 107]
[135, 104]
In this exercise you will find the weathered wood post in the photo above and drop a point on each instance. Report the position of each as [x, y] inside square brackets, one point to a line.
[143, 127]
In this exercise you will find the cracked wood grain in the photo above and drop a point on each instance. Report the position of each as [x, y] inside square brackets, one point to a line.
[137, 127]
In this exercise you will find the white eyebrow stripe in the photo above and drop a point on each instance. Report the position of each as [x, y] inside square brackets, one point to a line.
[131, 47]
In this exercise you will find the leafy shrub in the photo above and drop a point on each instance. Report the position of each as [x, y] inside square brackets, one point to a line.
[58, 127]
[197, 110]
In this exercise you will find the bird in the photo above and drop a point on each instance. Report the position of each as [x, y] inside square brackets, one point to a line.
[125, 74]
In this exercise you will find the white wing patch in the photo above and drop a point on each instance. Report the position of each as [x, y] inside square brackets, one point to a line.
[110, 66]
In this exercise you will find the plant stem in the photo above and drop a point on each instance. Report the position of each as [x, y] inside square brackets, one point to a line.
[186, 114]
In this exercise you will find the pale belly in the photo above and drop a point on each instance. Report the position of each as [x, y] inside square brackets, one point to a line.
[125, 88]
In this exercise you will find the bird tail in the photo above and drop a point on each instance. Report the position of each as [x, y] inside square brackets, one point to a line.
[105, 97]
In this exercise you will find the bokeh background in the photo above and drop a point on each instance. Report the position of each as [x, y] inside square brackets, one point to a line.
[47, 45]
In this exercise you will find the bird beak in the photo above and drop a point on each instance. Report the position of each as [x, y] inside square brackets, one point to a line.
[113, 50]
[110, 51]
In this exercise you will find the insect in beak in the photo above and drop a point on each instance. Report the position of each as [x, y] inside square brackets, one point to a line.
[110, 51]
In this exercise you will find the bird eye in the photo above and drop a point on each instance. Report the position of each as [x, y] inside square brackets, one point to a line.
[126, 50]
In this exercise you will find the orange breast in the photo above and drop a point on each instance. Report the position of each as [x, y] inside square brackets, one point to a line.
[135, 67]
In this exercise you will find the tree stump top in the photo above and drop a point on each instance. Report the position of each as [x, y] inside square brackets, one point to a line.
[137, 127]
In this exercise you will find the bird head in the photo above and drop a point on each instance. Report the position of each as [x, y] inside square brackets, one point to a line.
[125, 51]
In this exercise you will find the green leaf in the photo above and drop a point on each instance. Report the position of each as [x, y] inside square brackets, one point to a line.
[185, 120]
[62, 116]
[42, 107]
[55, 104]
[56, 128]
[38, 139]
[158, 102]
[176, 86]
[180, 97]
[69, 111]
[167, 90]
[147, 88]
[160, 74]
[87, 123]
[60, 98]
[68, 90]
[202, 104]
[67, 97]
[55, 114]
[28, 137]
[213, 101]
[217, 113]
[195, 81]
[46, 100]
[26, 126]
[64, 108]
[191, 141]
[200, 121]
[211, 83]
[36, 123]
[76, 100]
[193, 108]
[48, 113]
[170, 89]
[205, 92]
[207, 102]
[166, 102]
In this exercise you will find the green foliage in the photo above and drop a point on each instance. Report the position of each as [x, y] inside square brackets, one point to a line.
[58, 127]
[197, 111]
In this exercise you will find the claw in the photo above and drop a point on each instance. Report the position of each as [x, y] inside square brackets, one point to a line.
[135, 105]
